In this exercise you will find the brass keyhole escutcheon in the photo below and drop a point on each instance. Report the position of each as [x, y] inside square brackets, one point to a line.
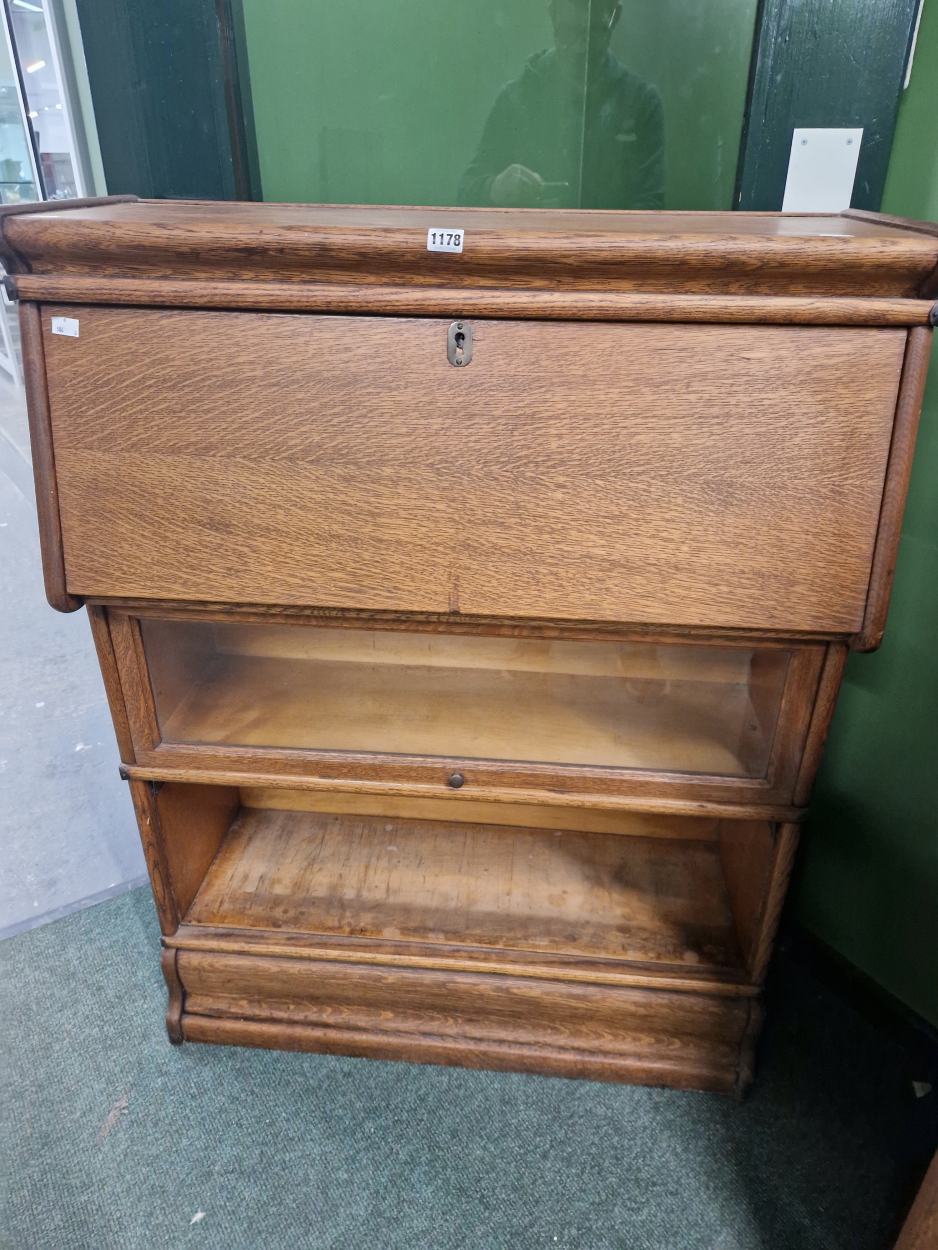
[459, 343]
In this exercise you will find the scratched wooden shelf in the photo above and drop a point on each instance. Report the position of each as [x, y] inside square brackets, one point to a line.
[640, 899]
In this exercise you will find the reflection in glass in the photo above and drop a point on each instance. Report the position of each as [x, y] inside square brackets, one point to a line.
[46, 100]
[576, 129]
[417, 101]
[17, 183]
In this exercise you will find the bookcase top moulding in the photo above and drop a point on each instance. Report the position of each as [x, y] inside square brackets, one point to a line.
[587, 264]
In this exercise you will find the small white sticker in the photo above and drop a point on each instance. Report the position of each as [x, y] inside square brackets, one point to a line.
[65, 325]
[445, 240]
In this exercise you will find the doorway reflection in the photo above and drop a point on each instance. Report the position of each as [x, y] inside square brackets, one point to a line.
[576, 129]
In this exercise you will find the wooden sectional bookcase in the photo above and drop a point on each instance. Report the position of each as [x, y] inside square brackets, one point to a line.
[470, 702]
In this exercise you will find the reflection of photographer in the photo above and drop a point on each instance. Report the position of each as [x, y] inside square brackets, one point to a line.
[577, 129]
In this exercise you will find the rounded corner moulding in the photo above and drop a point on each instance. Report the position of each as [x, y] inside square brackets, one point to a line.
[715, 253]
[477, 302]
[153, 770]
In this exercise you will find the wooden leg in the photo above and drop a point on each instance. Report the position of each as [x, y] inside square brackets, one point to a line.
[176, 995]
[746, 1071]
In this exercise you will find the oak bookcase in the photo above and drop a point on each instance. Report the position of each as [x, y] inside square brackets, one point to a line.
[471, 623]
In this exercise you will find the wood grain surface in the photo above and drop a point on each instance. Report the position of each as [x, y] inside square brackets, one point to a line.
[143, 796]
[456, 623]
[898, 472]
[445, 957]
[827, 690]
[644, 900]
[652, 1058]
[459, 301]
[110, 675]
[890, 219]
[176, 995]
[268, 458]
[661, 794]
[530, 816]
[466, 1006]
[786, 846]
[135, 682]
[499, 1008]
[694, 252]
[747, 851]
[193, 823]
[43, 458]
[12, 262]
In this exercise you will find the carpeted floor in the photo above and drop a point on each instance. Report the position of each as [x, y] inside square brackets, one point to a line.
[112, 1138]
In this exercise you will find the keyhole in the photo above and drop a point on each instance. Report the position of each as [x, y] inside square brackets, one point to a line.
[459, 350]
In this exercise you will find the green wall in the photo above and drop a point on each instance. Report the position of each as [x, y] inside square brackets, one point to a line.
[384, 102]
[869, 880]
[697, 55]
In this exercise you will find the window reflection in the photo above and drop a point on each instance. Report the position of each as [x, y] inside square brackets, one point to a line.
[30, 25]
[16, 172]
[576, 129]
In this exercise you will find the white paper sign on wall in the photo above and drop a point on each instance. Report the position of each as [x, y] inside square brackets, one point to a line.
[821, 170]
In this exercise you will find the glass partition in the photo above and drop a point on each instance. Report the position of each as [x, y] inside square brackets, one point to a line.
[614, 104]
[18, 177]
[34, 45]
[707, 710]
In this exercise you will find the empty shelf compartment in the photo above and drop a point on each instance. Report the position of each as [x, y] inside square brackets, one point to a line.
[592, 895]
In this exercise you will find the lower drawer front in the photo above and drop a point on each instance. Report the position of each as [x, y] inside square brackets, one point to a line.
[653, 1035]
[678, 474]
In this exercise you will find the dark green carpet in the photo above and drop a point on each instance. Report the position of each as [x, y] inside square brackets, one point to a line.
[285, 1151]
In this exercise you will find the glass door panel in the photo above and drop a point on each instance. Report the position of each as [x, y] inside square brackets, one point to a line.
[538, 103]
[47, 100]
[19, 182]
[684, 709]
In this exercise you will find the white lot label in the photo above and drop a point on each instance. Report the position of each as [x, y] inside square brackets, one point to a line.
[65, 325]
[445, 240]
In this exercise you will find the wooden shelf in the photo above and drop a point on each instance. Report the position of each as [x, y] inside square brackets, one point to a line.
[673, 709]
[656, 901]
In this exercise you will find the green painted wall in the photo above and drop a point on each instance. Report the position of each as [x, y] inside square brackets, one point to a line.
[384, 102]
[869, 880]
[697, 55]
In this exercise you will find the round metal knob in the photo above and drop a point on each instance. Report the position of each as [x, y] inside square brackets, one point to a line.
[456, 780]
